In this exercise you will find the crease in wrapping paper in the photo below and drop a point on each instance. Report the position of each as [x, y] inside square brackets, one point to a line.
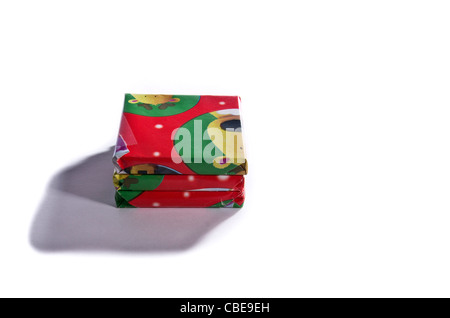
[175, 199]
[151, 137]
[178, 183]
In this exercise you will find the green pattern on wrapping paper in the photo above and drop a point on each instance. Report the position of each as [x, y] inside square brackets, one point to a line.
[147, 182]
[129, 195]
[160, 110]
[201, 167]
[121, 202]
[223, 204]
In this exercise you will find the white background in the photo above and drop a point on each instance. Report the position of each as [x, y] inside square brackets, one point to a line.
[346, 110]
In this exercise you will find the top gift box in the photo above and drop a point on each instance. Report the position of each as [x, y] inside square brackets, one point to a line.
[180, 134]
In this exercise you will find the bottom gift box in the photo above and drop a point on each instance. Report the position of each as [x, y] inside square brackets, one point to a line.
[179, 199]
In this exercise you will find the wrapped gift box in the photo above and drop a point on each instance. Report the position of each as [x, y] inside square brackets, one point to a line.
[180, 151]
[179, 199]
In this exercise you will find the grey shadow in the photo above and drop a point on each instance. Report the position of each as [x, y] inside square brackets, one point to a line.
[78, 213]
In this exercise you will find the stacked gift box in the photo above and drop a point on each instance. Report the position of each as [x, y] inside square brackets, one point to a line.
[180, 151]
